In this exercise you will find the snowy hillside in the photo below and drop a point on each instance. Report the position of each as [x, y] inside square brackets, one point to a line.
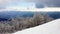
[52, 27]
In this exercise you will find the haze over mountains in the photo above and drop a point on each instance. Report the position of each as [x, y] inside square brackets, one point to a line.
[8, 14]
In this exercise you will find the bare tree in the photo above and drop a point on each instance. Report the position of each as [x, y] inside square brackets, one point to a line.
[19, 23]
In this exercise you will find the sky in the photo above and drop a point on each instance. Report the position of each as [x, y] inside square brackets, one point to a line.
[29, 3]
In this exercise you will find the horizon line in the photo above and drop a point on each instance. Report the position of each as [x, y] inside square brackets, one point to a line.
[46, 9]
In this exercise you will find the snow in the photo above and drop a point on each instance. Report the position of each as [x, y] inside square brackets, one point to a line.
[52, 27]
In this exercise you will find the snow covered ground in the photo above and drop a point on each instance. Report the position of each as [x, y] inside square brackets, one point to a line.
[52, 27]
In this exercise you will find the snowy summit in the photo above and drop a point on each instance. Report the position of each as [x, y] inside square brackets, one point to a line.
[52, 27]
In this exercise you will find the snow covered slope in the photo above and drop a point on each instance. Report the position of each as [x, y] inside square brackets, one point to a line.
[52, 27]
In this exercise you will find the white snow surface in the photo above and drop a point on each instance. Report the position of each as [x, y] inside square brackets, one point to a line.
[52, 27]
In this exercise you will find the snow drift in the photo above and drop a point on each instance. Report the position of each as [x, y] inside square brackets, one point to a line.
[52, 27]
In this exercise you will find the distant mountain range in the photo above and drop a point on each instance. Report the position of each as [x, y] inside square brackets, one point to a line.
[8, 14]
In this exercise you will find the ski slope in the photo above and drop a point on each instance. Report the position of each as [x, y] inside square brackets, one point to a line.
[52, 27]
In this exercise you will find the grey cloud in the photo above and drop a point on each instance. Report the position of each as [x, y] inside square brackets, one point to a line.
[48, 3]
[53, 3]
[39, 3]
